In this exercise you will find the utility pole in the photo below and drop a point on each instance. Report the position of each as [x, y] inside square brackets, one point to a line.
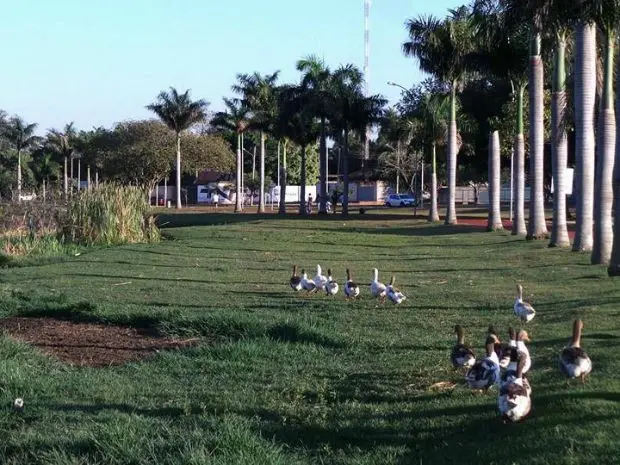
[367, 70]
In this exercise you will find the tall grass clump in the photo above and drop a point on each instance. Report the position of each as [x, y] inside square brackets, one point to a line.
[109, 215]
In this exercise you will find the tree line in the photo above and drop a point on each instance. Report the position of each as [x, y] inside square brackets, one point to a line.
[532, 70]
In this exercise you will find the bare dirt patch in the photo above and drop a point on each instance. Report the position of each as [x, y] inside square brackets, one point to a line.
[88, 344]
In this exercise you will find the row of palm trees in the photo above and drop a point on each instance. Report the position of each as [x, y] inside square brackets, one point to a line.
[20, 136]
[324, 103]
[512, 40]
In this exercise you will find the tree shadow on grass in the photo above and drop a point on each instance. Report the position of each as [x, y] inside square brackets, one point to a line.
[292, 333]
[425, 231]
[176, 220]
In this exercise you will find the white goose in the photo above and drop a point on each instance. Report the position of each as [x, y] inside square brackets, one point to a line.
[523, 310]
[320, 279]
[394, 294]
[331, 287]
[574, 362]
[377, 288]
[351, 288]
[514, 400]
[307, 284]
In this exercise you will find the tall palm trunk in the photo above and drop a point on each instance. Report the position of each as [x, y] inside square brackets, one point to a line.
[302, 201]
[518, 223]
[603, 199]
[19, 176]
[537, 227]
[261, 194]
[88, 177]
[585, 94]
[284, 181]
[452, 153]
[66, 180]
[238, 206]
[495, 215]
[345, 174]
[614, 264]
[398, 149]
[179, 206]
[44, 189]
[559, 149]
[322, 170]
[433, 213]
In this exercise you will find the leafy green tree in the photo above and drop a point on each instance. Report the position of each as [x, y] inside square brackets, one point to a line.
[207, 152]
[137, 152]
[395, 158]
[179, 113]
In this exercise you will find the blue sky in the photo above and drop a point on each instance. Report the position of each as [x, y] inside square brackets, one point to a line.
[97, 62]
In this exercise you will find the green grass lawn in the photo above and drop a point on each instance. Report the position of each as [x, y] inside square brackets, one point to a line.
[281, 378]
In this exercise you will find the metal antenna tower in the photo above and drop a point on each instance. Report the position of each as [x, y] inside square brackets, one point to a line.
[366, 69]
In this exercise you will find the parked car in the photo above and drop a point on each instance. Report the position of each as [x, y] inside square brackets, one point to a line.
[400, 200]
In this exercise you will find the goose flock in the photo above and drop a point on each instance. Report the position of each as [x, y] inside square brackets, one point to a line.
[506, 365]
[351, 289]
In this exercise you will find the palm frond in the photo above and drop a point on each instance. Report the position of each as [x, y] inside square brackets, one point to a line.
[178, 111]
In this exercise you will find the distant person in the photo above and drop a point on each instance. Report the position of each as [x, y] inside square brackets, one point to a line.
[216, 198]
[335, 196]
[309, 204]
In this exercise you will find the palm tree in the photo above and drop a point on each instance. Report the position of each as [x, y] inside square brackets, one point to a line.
[559, 141]
[92, 146]
[537, 227]
[442, 49]
[179, 113]
[503, 51]
[259, 96]
[20, 136]
[430, 117]
[495, 216]
[296, 122]
[585, 96]
[61, 144]
[534, 13]
[235, 119]
[351, 110]
[607, 15]
[316, 79]
[45, 169]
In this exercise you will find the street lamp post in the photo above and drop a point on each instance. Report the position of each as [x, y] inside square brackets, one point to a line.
[408, 92]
